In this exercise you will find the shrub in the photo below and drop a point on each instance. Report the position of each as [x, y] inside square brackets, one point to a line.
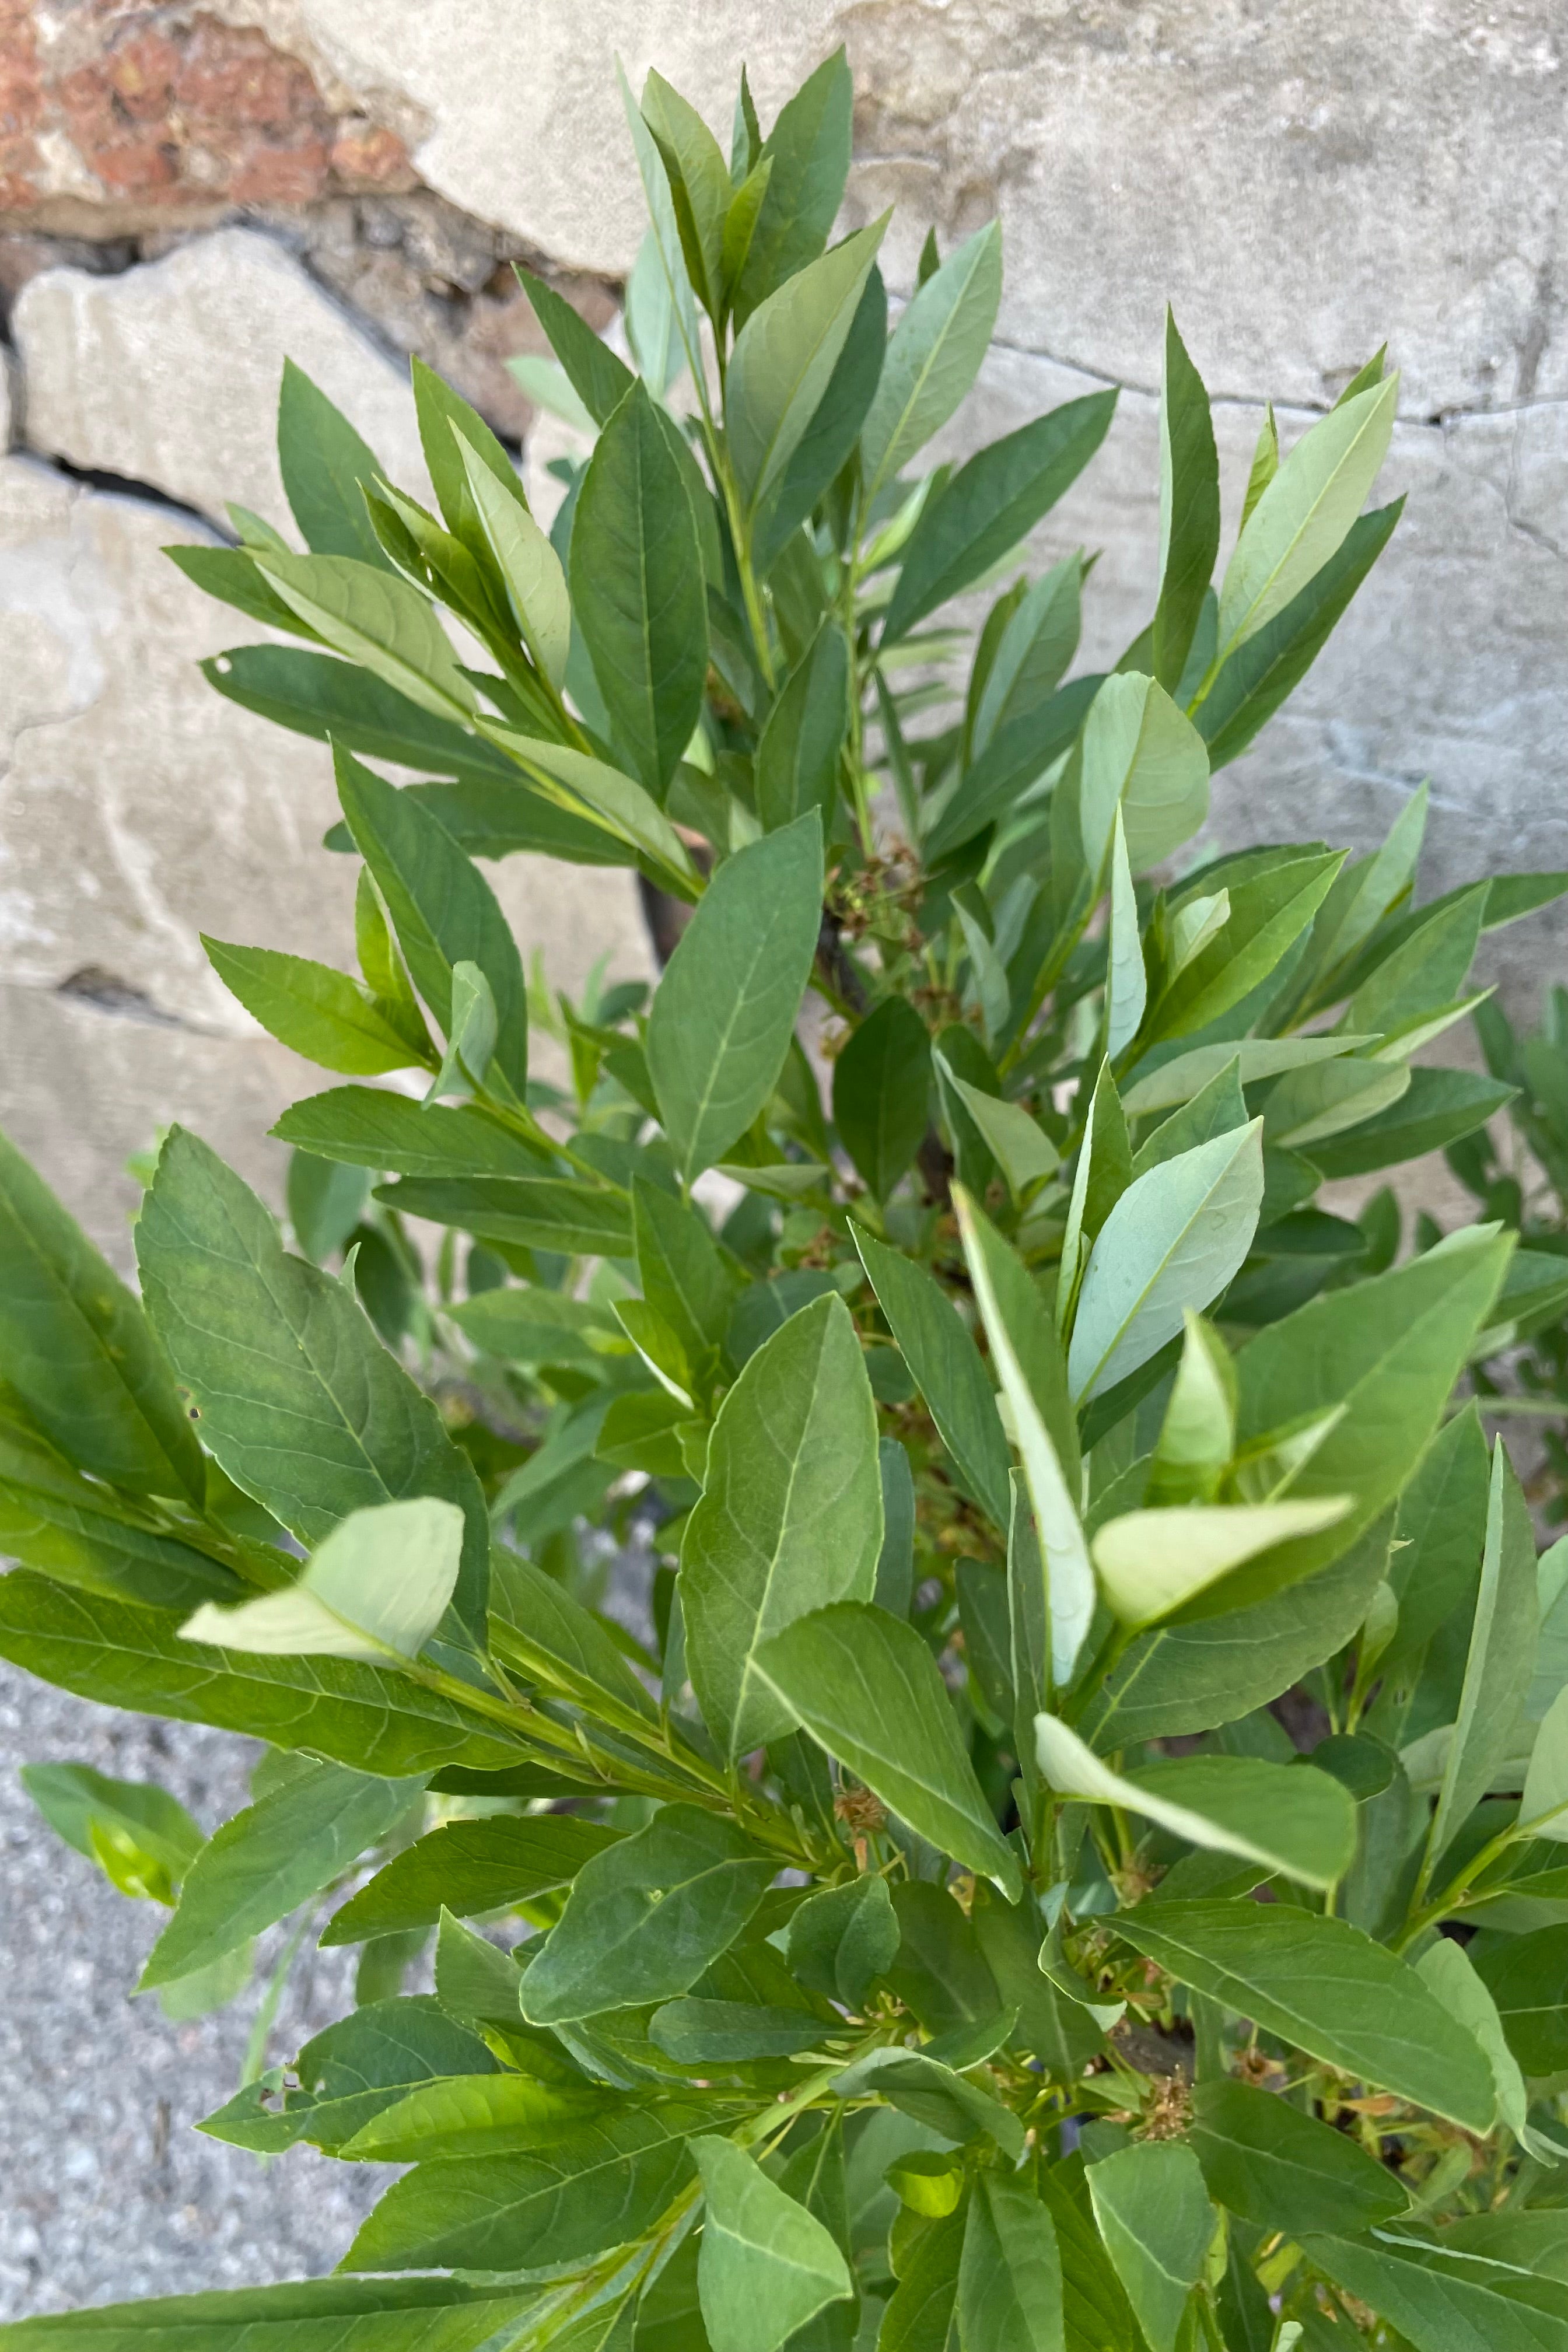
[998, 1896]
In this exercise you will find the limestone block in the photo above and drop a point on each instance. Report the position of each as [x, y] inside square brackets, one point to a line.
[523, 118]
[1299, 181]
[168, 375]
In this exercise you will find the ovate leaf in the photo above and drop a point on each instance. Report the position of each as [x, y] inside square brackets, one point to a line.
[1010, 2273]
[790, 1516]
[1156, 2220]
[881, 1093]
[1272, 2165]
[378, 620]
[318, 1011]
[376, 1588]
[78, 1349]
[867, 1689]
[725, 1010]
[1143, 755]
[646, 1916]
[1322, 1985]
[766, 2266]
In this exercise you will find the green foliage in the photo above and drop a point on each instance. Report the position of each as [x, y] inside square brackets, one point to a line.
[994, 1894]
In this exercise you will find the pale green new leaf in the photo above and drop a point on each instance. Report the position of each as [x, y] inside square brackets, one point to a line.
[1172, 1242]
[1151, 1562]
[1012, 1313]
[790, 1517]
[318, 1011]
[1176, 1082]
[766, 2265]
[375, 1590]
[378, 620]
[591, 788]
[469, 2115]
[1284, 1817]
[867, 1689]
[1019, 1145]
[1544, 1804]
[1305, 512]
[933, 356]
[535, 583]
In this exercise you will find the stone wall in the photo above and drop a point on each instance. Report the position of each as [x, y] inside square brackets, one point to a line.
[189, 193]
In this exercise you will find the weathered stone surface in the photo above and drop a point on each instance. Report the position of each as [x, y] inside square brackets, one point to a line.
[1299, 181]
[168, 375]
[139, 808]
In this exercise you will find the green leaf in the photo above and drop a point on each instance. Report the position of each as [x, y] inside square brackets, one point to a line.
[1010, 2275]
[1268, 666]
[318, 1011]
[469, 2115]
[1126, 980]
[766, 2265]
[921, 2314]
[1030, 661]
[333, 2315]
[1191, 1677]
[1284, 1817]
[1028, 1360]
[732, 2032]
[1151, 1562]
[725, 1010]
[601, 2184]
[637, 590]
[78, 1350]
[1156, 2220]
[684, 1276]
[936, 2096]
[367, 1717]
[1309, 1106]
[317, 695]
[698, 186]
[844, 1938]
[808, 150]
[1189, 509]
[446, 422]
[578, 1220]
[376, 1590]
[270, 1858]
[376, 619]
[790, 1517]
[370, 1126]
[1545, 1798]
[646, 1916]
[797, 756]
[784, 357]
[1304, 514]
[1438, 1107]
[466, 1867]
[1285, 2170]
[1527, 1976]
[991, 504]
[600, 379]
[1020, 1146]
[1271, 907]
[947, 1368]
[881, 1093]
[1172, 1242]
[1181, 1079]
[600, 797]
[1440, 2306]
[1502, 1660]
[1327, 1988]
[299, 1400]
[327, 469]
[348, 2074]
[445, 911]
[824, 446]
[1388, 1351]
[867, 1689]
[1143, 756]
[529, 565]
[535, 1621]
[87, 1809]
[1441, 1530]
[935, 356]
